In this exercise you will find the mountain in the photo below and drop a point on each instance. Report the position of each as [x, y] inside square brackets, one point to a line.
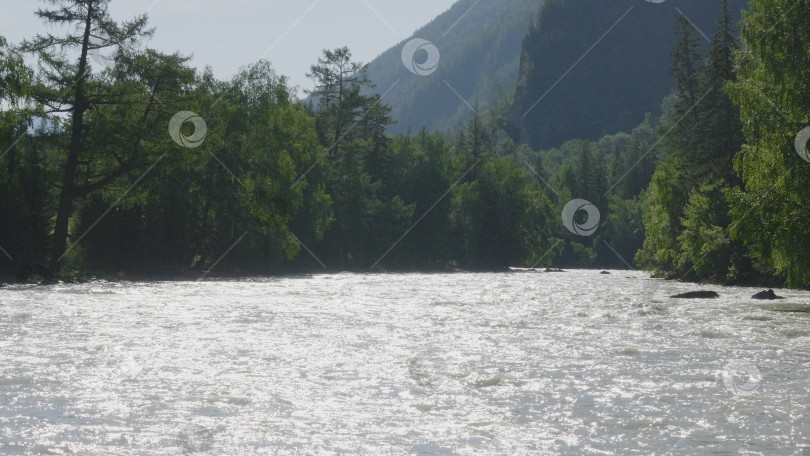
[478, 44]
[593, 67]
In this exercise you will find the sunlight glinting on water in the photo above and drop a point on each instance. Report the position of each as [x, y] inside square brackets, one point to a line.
[523, 363]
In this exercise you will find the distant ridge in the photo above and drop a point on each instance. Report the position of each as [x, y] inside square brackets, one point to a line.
[489, 48]
[479, 42]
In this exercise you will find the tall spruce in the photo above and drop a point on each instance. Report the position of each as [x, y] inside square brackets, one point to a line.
[721, 131]
[674, 177]
[687, 67]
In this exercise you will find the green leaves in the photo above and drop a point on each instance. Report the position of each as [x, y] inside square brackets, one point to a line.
[15, 76]
[770, 208]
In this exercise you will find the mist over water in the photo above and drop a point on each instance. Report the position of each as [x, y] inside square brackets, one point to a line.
[574, 363]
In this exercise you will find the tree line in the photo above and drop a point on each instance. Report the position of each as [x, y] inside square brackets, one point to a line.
[121, 159]
[728, 203]
[719, 192]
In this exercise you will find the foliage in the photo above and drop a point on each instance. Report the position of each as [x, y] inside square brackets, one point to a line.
[279, 184]
[67, 85]
[770, 208]
[240, 185]
[688, 218]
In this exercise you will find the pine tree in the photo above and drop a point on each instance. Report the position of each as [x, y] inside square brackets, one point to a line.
[720, 130]
[687, 66]
[344, 111]
[674, 178]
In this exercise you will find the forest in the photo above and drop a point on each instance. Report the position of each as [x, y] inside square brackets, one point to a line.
[120, 161]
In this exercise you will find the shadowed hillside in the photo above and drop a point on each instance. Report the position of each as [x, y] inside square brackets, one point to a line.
[592, 67]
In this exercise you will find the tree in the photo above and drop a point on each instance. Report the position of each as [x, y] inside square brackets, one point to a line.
[68, 86]
[425, 165]
[771, 209]
[499, 219]
[339, 91]
[25, 171]
[720, 131]
[688, 210]
[15, 77]
[369, 214]
[687, 69]
[675, 176]
[243, 183]
[706, 249]
[663, 207]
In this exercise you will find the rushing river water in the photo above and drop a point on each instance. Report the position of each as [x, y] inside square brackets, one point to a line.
[525, 363]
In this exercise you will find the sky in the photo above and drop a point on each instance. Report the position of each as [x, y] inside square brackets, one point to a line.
[229, 34]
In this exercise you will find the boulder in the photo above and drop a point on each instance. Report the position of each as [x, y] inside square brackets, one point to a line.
[605, 273]
[698, 295]
[766, 295]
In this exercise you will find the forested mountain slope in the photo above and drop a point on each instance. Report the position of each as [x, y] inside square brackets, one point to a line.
[479, 43]
[592, 67]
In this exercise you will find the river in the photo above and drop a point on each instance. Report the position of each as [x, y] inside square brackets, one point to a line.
[525, 363]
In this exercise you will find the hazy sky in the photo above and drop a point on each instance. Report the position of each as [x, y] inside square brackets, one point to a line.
[228, 34]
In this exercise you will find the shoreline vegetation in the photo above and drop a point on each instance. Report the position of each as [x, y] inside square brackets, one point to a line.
[236, 276]
[119, 157]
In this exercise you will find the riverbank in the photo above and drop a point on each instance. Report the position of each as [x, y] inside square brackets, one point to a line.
[192, 276]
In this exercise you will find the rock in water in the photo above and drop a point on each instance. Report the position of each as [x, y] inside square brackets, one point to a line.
[698, 295]
[767, 294]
